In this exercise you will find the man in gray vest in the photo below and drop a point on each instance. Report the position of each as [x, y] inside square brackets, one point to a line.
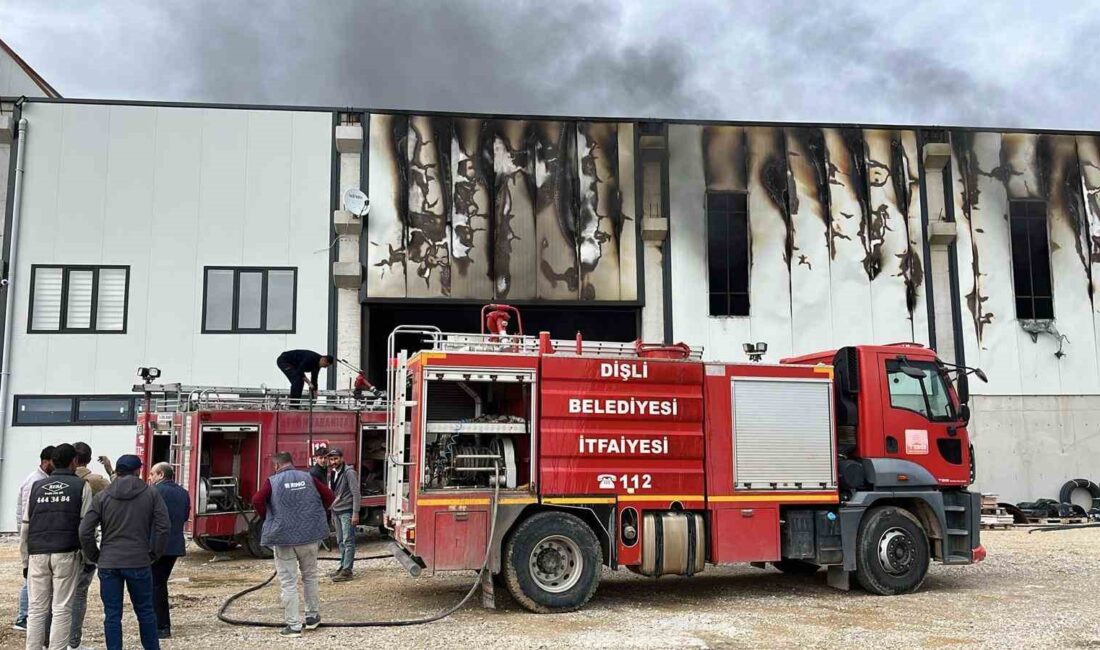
[294, 508]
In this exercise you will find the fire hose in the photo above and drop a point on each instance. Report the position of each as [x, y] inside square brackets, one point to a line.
[225, 618]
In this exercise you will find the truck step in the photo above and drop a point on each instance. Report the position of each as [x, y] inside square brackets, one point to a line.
[956, 559]
[955, 508]
[962, 532]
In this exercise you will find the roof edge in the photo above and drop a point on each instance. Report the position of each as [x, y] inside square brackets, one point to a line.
[38, 80]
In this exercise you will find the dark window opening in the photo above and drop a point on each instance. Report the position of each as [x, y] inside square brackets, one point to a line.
[1031, 259]
[728, 253]
[249, 300]
[61, 410]
[78, 299]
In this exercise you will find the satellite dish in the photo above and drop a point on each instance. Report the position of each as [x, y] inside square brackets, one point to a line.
[356, 202]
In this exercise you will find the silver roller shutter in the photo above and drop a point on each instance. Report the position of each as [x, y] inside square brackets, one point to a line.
[783, 434]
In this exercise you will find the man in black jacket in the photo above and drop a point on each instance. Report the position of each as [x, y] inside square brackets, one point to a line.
[319, 469]
[296, 363]
[50, 546]
[134, 526]
[178, 502]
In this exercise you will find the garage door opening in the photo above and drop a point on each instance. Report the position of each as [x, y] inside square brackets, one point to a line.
[595, 323]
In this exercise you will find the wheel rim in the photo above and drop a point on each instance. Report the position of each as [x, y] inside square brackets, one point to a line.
[897, 552]
[556, 564]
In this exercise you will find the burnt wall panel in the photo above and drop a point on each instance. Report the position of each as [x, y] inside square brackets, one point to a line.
[427, 250]
[385, 272]
[513, 230]
[1088, 158]
[600, 215]
[907, 180]
[1070, 261]
[772, 242]
[556, 210]
[627, 233]
[849, 210]
[471, 209]
[887, 238]
[811, 295]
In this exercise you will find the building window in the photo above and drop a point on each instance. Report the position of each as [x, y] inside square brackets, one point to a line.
[1031, 259]
[60, 410]
[728, 253]
[249, 300]
[78, 299]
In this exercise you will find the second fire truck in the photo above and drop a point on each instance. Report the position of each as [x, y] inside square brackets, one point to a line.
[549, 459]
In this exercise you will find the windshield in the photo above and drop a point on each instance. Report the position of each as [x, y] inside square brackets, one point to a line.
[926, 396]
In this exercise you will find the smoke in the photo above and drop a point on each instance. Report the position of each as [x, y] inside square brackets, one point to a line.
[994, 63]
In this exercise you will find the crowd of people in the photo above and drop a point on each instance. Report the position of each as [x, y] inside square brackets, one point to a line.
[76, 525]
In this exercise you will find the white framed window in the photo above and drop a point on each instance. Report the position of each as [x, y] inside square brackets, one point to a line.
[78, 299]
[249, 300]
[65, 410]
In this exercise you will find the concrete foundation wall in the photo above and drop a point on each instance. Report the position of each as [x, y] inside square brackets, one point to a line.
[1027, 446]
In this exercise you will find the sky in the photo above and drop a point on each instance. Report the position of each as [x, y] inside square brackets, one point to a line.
[935, 62]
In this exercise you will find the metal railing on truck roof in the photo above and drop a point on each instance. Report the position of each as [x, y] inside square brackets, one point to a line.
[523, 344]
[186, 398]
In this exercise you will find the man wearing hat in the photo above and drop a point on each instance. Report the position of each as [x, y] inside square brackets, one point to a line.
[134, 526]
[344, 481]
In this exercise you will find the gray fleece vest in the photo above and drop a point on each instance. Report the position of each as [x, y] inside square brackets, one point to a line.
[295, 514]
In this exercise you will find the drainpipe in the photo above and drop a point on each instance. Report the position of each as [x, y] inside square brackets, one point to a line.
[9, 282]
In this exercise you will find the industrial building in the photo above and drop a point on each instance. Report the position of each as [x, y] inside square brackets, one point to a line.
[206, 239]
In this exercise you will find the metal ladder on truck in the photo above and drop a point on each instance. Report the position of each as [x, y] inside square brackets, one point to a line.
[397, 415]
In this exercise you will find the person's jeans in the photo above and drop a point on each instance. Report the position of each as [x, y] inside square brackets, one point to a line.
[80, 605]
[52, 579]
[162, 570]
[345, 537]
[289, 560]
[139, 582]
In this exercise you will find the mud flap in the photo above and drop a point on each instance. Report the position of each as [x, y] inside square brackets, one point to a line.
[838, 578]
[488, 595]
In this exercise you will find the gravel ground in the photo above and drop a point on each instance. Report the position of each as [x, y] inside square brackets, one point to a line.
[1033, 590]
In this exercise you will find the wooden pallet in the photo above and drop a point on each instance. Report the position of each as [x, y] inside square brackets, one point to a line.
[1045, 521]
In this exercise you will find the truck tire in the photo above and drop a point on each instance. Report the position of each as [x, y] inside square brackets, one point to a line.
[892, 553]
[552, 563]
[796, 567]
[252, 541]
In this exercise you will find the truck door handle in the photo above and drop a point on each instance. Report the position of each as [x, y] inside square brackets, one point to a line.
[952, 431]
[462, 516]
[747, 513]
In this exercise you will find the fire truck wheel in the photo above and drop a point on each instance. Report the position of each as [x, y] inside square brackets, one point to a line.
[552, 563]
[892, 552]
[797, 567]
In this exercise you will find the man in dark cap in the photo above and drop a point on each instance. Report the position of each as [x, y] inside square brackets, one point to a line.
[344, 481]
[134, 526]
[295, 364]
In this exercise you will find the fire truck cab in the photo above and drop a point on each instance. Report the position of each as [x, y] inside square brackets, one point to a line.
[220, 441]
[548, 459]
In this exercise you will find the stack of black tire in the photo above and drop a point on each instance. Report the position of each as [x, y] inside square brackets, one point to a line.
[1063, 507]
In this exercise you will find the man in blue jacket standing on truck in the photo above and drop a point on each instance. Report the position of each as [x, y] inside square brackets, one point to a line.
[295, 364]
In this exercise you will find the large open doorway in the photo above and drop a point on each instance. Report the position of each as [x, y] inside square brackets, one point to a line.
[594, 323]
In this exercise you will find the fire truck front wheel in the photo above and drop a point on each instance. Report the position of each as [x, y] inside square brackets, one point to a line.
[892, 552]
[552, 563]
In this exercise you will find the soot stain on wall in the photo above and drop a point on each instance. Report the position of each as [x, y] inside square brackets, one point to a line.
[556, 193]
[962, 144]
[429, 201]
[905, 181]
[776, 179]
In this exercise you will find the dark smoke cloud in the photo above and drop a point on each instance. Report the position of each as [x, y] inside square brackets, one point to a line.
[994, 63]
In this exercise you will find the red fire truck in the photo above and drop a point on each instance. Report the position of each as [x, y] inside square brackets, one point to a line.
[549, 458]
[220, 440]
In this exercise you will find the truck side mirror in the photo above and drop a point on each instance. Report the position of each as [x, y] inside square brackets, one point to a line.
[962, 387]
[964, 413]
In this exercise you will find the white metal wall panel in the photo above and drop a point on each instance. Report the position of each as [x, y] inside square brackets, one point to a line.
[782, 434]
